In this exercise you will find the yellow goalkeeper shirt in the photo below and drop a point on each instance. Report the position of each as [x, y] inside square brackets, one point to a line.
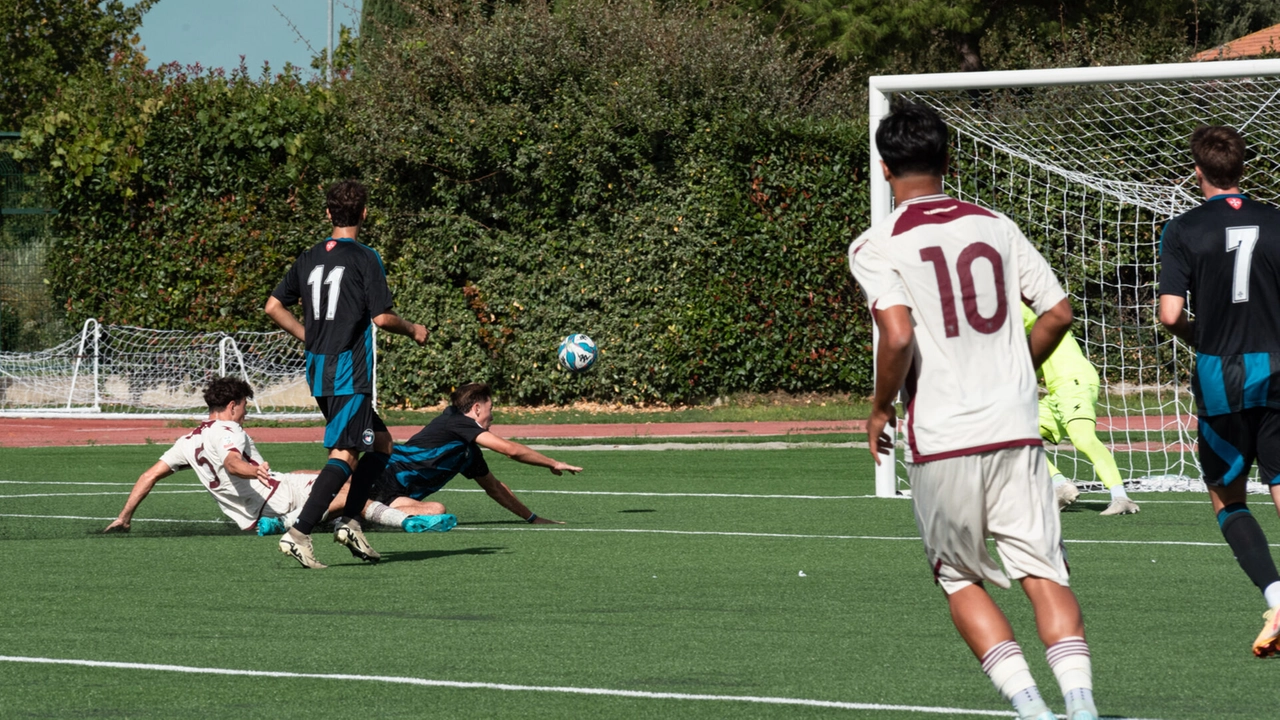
[1067, 364]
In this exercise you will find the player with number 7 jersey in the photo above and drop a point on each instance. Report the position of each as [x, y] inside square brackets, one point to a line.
[963, 271]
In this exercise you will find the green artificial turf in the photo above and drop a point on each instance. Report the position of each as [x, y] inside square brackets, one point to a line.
[683, 590]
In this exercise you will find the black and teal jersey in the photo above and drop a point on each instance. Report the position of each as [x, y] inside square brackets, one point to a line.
[342, 286]
[1224, 257]
[432, 457]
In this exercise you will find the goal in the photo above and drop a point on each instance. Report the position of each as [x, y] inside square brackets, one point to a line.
[1091, 163]
[111, 371]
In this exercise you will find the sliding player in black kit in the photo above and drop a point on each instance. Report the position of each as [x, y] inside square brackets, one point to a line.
[343, 289]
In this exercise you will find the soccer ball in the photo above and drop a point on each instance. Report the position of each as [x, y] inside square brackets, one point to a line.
[577, 353]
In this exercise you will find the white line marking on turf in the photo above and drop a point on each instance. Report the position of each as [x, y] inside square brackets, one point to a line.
[776, 445]
[658, 494]
[136, 519]
[47, 482]
[426, 682]
[648, 531]
[89, 494]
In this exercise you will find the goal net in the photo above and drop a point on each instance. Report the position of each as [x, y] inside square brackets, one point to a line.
[116, 370]
[1091, 163]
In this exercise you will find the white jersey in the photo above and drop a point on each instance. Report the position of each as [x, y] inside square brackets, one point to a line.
[963, 271]
[205, 450]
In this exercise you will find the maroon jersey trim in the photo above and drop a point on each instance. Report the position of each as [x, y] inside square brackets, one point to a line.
[936, 212]
[916, 457]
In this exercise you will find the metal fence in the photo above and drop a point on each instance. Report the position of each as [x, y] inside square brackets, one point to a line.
[29, 319]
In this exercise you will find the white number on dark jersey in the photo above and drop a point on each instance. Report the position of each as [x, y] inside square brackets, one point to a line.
[334, 281]
[1241, 241]
[968, 294]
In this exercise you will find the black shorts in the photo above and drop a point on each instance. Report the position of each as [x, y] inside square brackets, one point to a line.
[350, 422]
[1229, 445]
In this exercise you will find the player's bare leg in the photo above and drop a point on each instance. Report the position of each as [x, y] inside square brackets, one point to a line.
[1249, 545]
[1061, 627]
[988, 634]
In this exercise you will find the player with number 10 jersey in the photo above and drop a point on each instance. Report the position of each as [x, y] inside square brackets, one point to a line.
[963, 270]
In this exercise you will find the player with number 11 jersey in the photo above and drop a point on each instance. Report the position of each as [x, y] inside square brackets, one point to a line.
[342, 286]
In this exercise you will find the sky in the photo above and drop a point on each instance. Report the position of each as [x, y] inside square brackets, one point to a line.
[215, 33]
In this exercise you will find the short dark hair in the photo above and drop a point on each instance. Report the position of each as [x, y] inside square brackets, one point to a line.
[223, 391]
[465, 397]
[912, 140]
[345, 202]
[1219, 152]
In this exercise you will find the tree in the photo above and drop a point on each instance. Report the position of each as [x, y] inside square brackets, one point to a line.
[881, 35]
[45, 42]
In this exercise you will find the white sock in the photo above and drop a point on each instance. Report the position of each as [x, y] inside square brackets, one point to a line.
[1059, 479]
[1118, 492]
[381, 514]
[1069, 658]
[1272, 594]
[1008, 671]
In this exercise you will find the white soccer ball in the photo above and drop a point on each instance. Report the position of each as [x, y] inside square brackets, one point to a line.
[577, 353]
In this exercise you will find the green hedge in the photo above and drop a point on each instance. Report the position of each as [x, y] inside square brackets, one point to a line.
[182, 194]
[672, 183]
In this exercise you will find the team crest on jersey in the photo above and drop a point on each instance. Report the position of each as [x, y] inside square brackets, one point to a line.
[367, 437]
[329, 246]
[1235, 203]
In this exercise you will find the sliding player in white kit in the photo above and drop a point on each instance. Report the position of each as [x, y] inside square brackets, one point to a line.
[944, 279]
[229, 466]
[227, 463]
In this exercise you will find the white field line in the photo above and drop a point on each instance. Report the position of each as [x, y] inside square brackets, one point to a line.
[773, 445]
[89, 494]
[228, 523]
[658, 494]
[426, 682]
[650, 531]
[595, 492]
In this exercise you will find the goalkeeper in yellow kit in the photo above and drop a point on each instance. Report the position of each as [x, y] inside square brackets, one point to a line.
[1068, 409]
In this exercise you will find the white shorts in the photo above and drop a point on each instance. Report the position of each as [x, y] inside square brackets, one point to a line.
[1002, 494]
[289, 497]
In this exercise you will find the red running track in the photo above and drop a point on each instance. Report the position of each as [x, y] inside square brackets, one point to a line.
[25, 432]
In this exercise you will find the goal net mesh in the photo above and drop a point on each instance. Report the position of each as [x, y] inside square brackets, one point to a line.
[1091, 173]
[114, 369]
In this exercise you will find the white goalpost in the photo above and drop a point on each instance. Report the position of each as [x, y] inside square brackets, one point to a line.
[1091, 162]
[117, 371]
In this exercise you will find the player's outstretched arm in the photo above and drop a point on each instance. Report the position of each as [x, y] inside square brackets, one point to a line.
[1175, 320]
[523, 453]
[283, 317]
[392, 322]
[1049, 331]
[236, 464]
[893, 360]
[502, 495]
[141, 488]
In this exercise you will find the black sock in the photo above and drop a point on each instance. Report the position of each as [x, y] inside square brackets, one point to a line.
[1249, 544]
[323, 491]
[368, 470]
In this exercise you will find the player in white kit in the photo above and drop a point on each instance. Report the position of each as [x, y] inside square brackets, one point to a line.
[226, 462]
[229, 466]
[945, 280]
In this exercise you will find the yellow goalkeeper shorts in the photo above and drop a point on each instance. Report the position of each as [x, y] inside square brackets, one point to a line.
[1075, 401]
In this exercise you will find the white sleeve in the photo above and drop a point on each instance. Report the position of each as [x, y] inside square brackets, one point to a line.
[1036, 282]
[230, 439]
[878, 278]
[174, 458]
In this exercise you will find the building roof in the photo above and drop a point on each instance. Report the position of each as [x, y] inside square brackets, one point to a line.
[1262, 42]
